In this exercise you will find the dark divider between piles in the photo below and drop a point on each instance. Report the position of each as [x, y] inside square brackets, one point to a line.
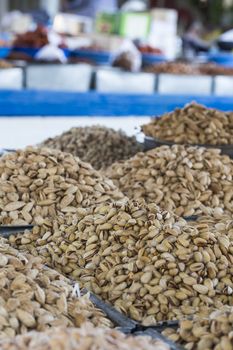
[129, 326]
[151, 143]
[7, 230]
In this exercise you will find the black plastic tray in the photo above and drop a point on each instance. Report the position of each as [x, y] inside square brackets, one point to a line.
[6, 150]
[191, 218]
[161, 326]
[151, 143]
[118, 319]
[128, 326]
[7, 231]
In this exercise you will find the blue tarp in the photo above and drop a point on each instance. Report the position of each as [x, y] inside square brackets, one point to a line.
[47, 103]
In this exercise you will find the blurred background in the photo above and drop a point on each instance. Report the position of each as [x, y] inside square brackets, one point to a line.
[115, 62]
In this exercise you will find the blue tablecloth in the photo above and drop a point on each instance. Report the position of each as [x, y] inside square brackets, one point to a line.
[45, 103]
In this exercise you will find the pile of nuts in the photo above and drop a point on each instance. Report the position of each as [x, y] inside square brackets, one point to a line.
[221, 223]
[173, 68]
[186, 180]
[5, 65]
[215, 69]
[193, 124]
[86, 337]
[215, 332]
[38, 184]
[135, 252]
[147, 263]
[147, 49]
[97, 145]
[33, 296]
[32, 39]
[189, 69]
[125, 61]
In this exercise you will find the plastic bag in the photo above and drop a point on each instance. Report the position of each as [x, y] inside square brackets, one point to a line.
[128, 51]
[51, 53]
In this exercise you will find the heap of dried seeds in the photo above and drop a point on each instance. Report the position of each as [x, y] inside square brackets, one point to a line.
[148, 263]
[193, 124]
[87, 337]
[97, 145]
[186, 180]
[221, 223]
[34, 297]
[180, 68]
[38, 184]
[213, 333]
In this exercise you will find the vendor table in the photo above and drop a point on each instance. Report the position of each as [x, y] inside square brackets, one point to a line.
[46, 103]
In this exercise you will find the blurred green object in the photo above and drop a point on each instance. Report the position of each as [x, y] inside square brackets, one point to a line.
[212, 11]
[107, 23]
[216, 10]
[133, 25]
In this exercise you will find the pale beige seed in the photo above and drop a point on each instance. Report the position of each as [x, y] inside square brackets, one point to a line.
[190, 281]
[3, 260]
[14, 206]
[26, 318]
[146, 277]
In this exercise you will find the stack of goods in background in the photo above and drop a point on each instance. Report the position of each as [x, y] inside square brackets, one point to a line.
[184, 68]
[132, 41]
